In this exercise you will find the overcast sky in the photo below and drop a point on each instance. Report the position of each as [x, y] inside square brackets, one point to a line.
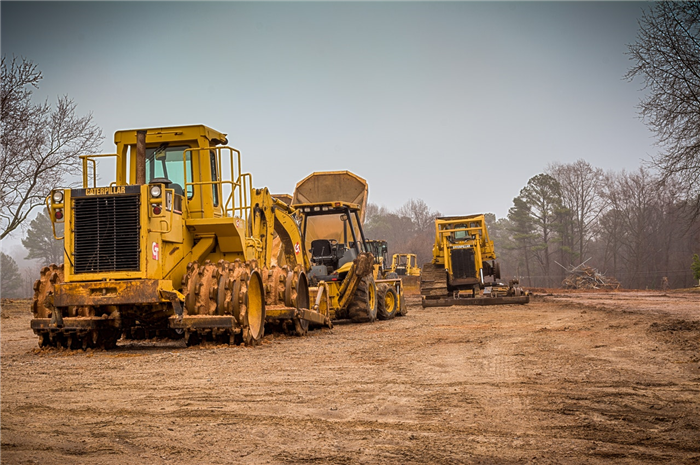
[457, 103]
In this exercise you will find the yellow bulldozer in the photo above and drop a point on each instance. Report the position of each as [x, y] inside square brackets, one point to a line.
[405, 266]
[331, 207]
[464, 270]
[178, 245]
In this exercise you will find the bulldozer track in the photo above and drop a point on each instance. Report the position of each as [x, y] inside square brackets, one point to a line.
[433, 282]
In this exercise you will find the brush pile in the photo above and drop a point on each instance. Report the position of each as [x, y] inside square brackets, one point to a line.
[585, 277]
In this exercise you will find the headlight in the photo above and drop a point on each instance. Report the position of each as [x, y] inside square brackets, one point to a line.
[155, 191]
[57, 196]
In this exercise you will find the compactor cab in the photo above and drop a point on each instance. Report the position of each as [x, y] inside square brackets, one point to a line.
[464, 264]
[177, 244]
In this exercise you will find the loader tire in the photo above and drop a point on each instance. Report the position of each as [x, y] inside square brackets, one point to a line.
[387, 302]
[363, 307]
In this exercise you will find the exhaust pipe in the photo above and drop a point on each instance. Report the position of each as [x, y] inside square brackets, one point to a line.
[140, 157]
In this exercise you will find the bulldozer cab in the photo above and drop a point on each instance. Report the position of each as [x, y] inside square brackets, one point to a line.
[405, 264]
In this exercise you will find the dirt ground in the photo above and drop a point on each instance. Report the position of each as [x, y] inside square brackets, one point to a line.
[569, 378]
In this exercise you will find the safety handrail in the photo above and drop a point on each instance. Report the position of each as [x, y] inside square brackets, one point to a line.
[237, 203]
[91, 158]
[51, 215]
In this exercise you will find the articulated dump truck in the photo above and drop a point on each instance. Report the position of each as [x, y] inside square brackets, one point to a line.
[179, 245]
[346, 281]
[464, 270]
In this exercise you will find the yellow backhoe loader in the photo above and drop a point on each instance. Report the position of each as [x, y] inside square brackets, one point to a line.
[343, 276]
[178, 245]
[464, 270]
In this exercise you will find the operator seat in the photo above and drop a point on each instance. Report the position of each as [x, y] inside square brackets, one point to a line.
[322, 253]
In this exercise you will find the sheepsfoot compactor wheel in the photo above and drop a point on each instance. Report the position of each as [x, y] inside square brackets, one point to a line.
[232, 302]
[87, 322]
[179, 245]
[464, 270]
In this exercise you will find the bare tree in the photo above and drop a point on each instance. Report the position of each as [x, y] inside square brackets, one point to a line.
[580, 193]
[635, 197]
[667, 58]
[39, 145]
[409, 229]
[420, 214]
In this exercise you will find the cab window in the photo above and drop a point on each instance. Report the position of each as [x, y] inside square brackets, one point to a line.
[167, 162]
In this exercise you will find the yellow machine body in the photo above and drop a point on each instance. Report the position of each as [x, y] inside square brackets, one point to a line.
[405, 264]
[179, 226]
[464, 270]
[462, 246]
[331, 207]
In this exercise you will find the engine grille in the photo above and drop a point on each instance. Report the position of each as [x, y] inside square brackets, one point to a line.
[106, 234]
[463, 265]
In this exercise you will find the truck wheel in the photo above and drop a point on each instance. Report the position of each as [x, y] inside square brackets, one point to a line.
[363, 307]
[387, 302]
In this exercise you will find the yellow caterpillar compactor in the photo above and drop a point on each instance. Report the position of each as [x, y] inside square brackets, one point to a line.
[345, 281]
[464, 270]
[179, 245]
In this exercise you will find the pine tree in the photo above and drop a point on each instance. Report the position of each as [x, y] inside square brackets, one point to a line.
[40, 241]
[11, 281]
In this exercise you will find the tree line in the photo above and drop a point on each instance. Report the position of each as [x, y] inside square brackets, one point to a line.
[634, 226]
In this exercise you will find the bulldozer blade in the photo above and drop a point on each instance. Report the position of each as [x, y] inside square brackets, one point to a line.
[411, 284]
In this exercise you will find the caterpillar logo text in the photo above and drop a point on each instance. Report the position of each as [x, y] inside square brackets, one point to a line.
[106, 190]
